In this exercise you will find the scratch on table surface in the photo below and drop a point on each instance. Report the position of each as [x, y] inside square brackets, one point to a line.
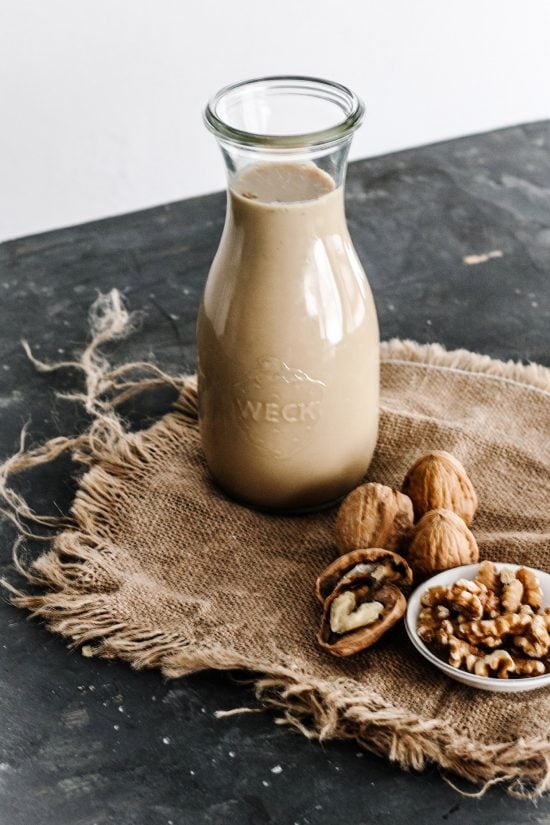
[472, 260]
[77, 718]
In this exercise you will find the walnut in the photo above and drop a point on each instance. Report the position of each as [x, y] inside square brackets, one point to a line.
[488, 575]
[512, 592]
[535, 641]
[475, 661]
[532, 592]
[360, 618]
[488, 599]
[490, 602]
[435, 596]
[466, 622]
[434, 625]
[464, 596]
[438, 481]
[362, 566]
[441, 540]
[462, 653]
[491, 632]
[346, 615]
[526, 608]
[373, 515]
[528, 667]
[507, 575]
[499, 663]
[361, 599]
[468, 585]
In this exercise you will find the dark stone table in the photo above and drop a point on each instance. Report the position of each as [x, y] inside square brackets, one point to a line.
[86, 742]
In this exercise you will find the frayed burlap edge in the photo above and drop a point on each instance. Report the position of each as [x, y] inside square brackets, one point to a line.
[69, 606]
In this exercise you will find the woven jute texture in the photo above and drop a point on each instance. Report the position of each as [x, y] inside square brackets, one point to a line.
[157, 567]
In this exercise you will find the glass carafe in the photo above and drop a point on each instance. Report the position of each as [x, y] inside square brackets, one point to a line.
[288, 362]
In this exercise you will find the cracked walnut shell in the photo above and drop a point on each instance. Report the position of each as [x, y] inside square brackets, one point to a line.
[361, 599]
[438, 480]
[440, 541]
[373, 515]
[374, 566]
[376, 611]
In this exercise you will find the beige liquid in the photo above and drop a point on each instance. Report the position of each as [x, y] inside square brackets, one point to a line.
[287, 344]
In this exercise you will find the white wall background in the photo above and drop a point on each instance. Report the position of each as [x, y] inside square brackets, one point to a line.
[100, 100]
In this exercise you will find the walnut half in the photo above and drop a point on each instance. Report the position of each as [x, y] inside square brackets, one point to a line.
[362, 566]
[353, 620]
[361, 599]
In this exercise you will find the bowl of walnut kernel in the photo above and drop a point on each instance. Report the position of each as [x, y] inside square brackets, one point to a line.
[486, 625]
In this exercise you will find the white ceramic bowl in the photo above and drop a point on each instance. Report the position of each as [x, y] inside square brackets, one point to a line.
[448, 577]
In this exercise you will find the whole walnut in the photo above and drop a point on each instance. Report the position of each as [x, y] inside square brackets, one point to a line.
[438, 480]
[373, 515]
[440, 541]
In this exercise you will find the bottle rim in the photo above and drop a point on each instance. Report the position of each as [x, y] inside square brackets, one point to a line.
[330, 91]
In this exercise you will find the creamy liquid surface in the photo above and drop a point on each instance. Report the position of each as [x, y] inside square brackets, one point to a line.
[287, 344]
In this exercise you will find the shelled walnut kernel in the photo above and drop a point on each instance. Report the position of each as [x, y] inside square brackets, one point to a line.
[493, 625]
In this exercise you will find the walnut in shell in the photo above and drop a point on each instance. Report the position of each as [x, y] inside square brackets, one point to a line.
[361, 599]
[440, 541]
[373, 515]
[438, 480]
[355, 619]
[374, 566]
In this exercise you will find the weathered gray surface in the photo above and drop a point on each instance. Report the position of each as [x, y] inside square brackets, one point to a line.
[89, 743]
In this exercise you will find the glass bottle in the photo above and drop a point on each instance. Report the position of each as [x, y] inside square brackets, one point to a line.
[287, 337]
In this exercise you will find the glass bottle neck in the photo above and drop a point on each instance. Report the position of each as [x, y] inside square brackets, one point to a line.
[241, 162]
[285, 122]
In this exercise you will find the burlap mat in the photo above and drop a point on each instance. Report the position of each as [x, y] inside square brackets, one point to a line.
[156, 567]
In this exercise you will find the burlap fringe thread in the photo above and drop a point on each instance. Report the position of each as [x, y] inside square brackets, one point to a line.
[319, 710]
